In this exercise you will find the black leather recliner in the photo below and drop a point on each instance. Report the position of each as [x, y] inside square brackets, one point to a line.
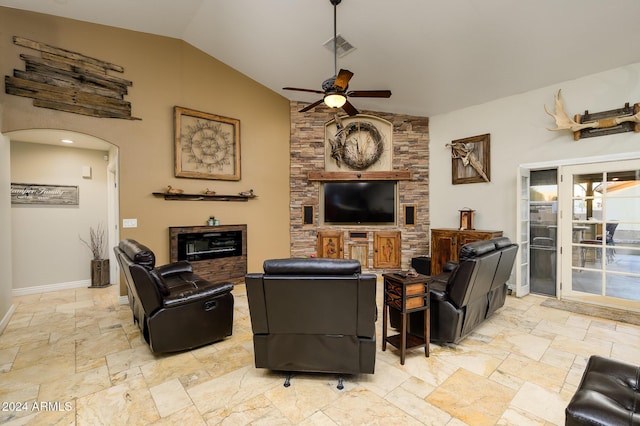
[313, 315]
[175, 309]
[608, 394]
[469, 291]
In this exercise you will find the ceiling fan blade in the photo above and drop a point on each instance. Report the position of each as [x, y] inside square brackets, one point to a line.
[349, 108]
[370, 94]
[342, 79]
[303, 90]
[311, 106]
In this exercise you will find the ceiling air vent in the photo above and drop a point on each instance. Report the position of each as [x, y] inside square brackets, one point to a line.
[343, 47]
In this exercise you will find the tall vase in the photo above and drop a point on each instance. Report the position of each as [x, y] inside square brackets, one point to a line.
[100, 273]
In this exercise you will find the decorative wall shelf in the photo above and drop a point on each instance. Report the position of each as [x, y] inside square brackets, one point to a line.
[338, 176]
[203, 197]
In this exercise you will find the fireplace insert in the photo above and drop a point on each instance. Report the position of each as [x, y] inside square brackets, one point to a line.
[209, 245]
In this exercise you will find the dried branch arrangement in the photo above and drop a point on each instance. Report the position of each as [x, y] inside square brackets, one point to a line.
[96, 242]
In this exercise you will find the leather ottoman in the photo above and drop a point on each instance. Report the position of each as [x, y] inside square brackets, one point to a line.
[608, 394]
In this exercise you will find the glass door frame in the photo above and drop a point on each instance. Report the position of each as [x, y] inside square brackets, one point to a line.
[574, 249]
[522, 288]
[522, 264]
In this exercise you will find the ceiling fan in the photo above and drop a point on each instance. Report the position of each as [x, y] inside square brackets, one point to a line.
[335, 88]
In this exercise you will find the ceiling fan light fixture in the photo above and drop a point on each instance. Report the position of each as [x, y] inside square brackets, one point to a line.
[335, 100]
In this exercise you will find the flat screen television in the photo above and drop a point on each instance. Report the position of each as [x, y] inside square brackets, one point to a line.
[361, 202]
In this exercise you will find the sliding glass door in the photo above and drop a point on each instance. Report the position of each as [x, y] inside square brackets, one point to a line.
[600, 222]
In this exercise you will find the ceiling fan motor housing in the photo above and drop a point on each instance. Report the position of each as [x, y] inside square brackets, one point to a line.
[329, 84]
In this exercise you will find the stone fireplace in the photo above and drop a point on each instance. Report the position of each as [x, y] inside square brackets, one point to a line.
[410, 152]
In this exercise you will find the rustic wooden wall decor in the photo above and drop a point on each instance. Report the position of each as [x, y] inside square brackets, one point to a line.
[620, 120]
[470, 159]
[68, 81]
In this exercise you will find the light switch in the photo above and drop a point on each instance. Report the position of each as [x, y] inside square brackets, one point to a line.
[129, 223]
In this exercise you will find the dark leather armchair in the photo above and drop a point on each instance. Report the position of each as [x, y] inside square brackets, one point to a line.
[608, 394]
[469, 291]
[175, 309]
[313, 315]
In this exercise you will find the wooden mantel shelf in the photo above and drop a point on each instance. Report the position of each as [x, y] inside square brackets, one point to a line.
[338, 176]
[203, 197]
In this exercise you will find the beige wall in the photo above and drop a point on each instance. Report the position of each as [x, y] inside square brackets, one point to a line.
[166, 72]
[51, 234]
[5, 232]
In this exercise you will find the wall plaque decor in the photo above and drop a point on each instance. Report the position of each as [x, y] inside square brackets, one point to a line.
[359, 142]
[625, 119]
[68, 81]
[470, 159]
[32, 193]
[207, 146]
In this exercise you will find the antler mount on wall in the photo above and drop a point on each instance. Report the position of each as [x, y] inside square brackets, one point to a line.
[625, 119]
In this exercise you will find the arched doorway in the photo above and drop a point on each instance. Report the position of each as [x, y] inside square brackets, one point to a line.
[50, 235]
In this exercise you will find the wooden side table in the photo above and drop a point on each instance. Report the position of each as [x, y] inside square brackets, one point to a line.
[406, 295]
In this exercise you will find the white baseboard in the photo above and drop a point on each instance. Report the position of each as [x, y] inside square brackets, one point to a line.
[123, 300]
[7, 317]
[50, 287]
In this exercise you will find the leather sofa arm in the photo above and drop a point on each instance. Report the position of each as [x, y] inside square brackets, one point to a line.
[450, 266]
[174, 268]
[195, 290]
[438, 294]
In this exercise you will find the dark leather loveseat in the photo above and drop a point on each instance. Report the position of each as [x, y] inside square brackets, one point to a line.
[313, 315]
[608, 394]
[468, 291]
[175, 309]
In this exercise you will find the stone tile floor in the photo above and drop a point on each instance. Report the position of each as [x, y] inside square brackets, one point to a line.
[75, 357]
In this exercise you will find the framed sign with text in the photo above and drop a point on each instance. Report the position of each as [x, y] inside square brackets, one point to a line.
[33, 193]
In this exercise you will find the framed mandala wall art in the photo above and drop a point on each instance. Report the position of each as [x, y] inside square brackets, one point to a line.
[207, 146]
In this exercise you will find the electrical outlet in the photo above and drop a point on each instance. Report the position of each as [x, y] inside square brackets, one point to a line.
[129, 223]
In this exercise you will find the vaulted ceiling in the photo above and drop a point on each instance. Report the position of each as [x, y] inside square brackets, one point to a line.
[435, 56]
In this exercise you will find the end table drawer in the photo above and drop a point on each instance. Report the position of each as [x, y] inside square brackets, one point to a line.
[410, 302]
[415, 302]
[415, 289]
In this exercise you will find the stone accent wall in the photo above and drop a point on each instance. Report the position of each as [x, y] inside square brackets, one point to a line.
[410, 152]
